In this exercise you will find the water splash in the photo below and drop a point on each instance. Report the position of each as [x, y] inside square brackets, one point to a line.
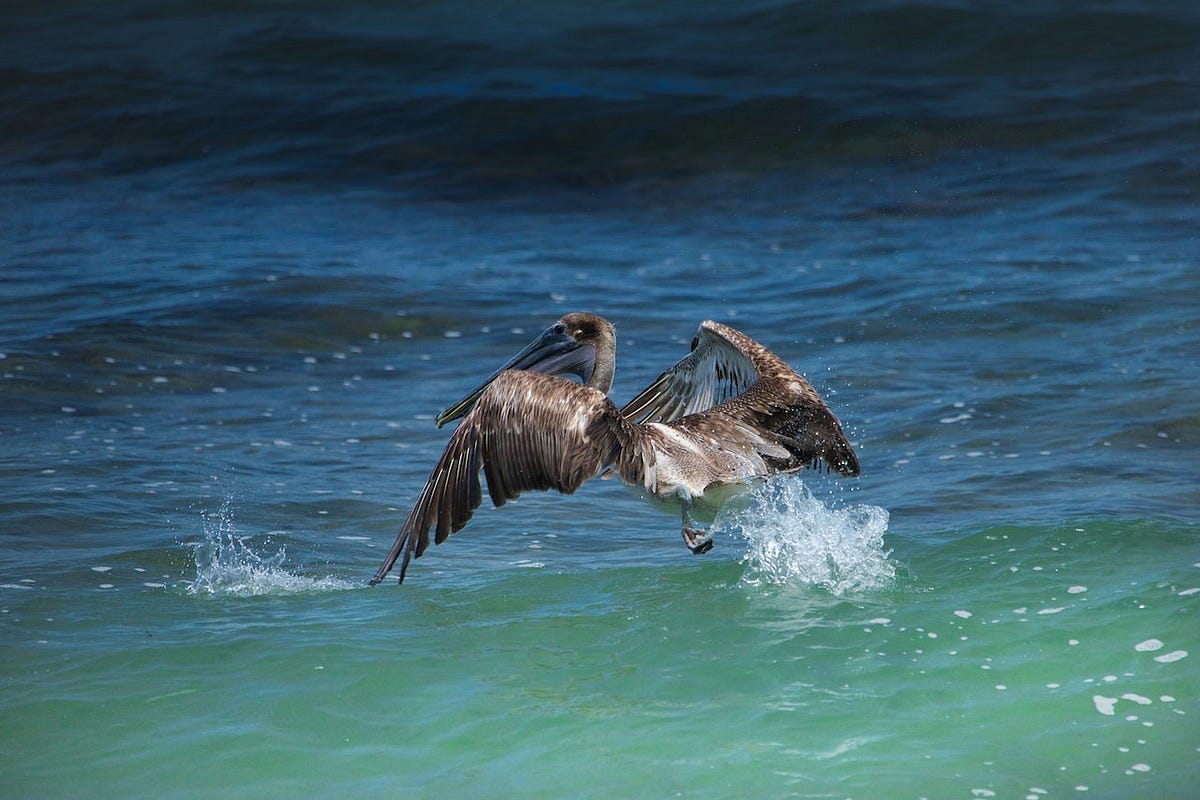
[795, 538]
[228, 563]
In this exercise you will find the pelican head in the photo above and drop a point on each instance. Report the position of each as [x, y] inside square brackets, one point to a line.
[579, 344]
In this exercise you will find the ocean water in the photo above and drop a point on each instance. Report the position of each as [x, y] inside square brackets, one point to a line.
[249, 250]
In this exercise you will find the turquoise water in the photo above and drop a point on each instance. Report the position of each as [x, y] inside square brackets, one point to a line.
[249, 251]
[1015, 661]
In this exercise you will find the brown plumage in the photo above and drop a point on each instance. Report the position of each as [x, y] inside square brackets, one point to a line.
[729, 413]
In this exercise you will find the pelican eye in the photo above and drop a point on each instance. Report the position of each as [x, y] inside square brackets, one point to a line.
[560, 327]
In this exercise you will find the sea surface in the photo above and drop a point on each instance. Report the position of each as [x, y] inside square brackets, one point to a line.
[249, 250]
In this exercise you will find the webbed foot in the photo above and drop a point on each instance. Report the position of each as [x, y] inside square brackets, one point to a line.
[697, 541]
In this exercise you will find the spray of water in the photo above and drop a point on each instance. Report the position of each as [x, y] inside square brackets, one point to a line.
[793, 538]
[228, 563]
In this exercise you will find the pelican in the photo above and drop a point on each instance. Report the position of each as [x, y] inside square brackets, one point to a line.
[729, 415]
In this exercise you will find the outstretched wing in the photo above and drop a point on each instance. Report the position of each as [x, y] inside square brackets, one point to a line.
[527, 432]
[717, 369]
[751, 389]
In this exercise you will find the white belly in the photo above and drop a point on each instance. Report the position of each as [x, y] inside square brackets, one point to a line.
[704, 506]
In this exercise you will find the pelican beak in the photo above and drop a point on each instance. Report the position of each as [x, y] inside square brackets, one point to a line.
[552, 353]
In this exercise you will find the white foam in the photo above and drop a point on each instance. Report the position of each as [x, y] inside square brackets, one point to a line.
[1076, 589]
[963, 614]
[1105, 705]
[229, 564]
[1148, 646]
[795, 538]
[1174, 655]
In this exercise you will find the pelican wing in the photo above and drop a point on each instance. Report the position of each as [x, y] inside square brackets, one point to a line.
[728, 377]
[791, 412]
[527, 431]
[719, 367]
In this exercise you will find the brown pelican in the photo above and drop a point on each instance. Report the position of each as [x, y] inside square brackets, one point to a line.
[729, 414]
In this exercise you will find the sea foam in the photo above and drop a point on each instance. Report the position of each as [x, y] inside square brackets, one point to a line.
[794, 537]
[228, 563]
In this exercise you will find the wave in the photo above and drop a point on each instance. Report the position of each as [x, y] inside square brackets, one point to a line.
[450, 103]
[793, 537]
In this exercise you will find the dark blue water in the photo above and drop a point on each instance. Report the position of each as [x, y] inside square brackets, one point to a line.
[247, 251]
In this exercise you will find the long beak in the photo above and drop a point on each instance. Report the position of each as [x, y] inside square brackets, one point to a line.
[552, 353]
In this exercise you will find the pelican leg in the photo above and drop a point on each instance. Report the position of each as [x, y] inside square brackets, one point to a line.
[698, 540]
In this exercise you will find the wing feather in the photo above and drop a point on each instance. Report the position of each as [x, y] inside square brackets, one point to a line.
[527, 432]
[717, 369]
[730, 377]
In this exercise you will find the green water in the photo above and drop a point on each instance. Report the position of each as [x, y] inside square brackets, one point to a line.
[1014, 662]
